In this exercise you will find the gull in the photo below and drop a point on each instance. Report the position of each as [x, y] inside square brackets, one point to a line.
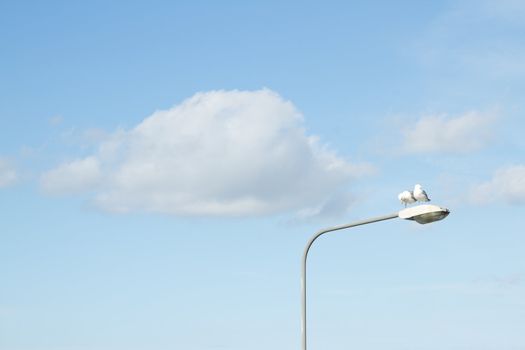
[419, 194]
[406, 197]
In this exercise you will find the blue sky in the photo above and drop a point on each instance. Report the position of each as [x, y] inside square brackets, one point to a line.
[163, 164]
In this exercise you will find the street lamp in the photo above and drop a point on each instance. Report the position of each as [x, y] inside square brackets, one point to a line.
[422, 214]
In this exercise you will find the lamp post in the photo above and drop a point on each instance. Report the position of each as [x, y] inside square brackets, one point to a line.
[422, 214]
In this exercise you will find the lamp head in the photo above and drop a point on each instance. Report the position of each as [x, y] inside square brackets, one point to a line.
[424, 214]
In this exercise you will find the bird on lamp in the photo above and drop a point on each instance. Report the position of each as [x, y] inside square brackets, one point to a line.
[406, 197]
[419, 194]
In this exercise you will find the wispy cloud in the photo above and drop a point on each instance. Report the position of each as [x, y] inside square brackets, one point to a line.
[510, 280]
[73, 177]
[482, 38]
[8, 175]
[478, 286]
[508, 10]
[216, 153]
[507, 185]
[444, 134]
[56, 120]
[333, 207]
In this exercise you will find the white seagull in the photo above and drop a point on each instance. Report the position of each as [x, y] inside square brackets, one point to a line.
[419, 194]
[406, 197]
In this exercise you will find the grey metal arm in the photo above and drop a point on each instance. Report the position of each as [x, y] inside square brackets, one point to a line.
[305, 256]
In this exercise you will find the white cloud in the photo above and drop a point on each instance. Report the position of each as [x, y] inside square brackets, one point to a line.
[216, 153]
[8, 174]
[76, 176]
[507, 184]
[442, 134]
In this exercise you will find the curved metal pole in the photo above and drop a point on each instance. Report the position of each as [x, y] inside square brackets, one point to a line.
[305, 256]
